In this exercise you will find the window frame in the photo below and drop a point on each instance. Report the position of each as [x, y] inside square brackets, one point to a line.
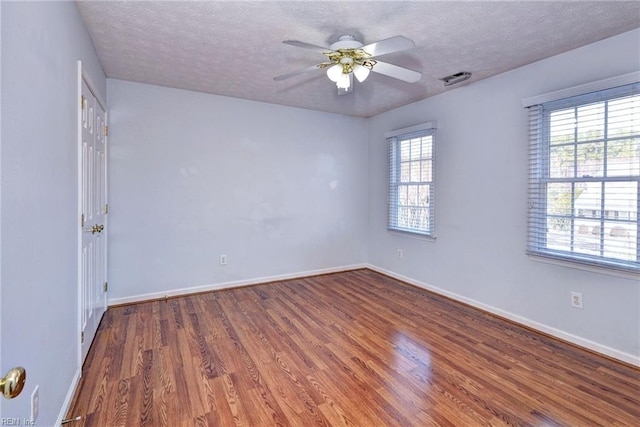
[540, 173]
[394, 140]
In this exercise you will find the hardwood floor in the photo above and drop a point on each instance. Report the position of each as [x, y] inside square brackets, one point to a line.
[346, 349]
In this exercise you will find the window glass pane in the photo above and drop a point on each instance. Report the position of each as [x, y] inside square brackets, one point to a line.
[426, 147]
[423, 194]
[587, 236]
[562, 126]
[415, 149]
[413, 195]
[562, 161]
[588, 202]
[405, 171]
[402, 195]
[624, 116]
[558, 234]
[559, 199]
[405, 151]
[620, 240]
[403, 217]
[621, 200]
[418, 218]
[623, 157]
[426, 171]
[590, 159]
[591, 122]
[415, 171]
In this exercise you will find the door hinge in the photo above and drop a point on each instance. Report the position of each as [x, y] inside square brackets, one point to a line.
[83, 102]
[105, 130]
[106, 208]
[105, 287]
[81, 337]
[82, 220]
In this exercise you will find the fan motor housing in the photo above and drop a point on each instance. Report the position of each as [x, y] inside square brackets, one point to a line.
[346, 42]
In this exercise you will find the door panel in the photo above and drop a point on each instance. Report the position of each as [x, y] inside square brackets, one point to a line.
[93, 202]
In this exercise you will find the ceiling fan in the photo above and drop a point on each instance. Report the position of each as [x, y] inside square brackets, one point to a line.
[348, 57]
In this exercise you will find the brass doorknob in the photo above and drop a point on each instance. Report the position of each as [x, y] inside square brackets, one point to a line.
[13, 383]
[97, 229]
[94, 229]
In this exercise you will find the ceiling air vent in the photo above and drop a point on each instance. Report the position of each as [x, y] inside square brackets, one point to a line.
[456, 78]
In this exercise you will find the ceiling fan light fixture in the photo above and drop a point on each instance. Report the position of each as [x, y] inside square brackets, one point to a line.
[361, 72]
[348, 57]
[334, 72]
[344, 81]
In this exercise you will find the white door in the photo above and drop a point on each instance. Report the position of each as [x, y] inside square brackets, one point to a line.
[93, 201]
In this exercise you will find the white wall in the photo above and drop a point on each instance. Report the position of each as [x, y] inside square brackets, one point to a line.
[481, 168]
[192, 176]
[41, 43]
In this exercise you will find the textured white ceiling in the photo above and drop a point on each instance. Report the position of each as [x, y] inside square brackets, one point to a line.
[234, 48]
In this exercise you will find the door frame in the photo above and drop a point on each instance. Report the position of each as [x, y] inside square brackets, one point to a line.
[83, 76]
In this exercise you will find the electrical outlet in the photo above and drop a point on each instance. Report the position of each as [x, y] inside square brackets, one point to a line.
[35, 404]
[223, 260]
[400, 254]
[576, 300]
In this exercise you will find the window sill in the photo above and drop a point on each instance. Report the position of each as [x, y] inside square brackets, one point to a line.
[593, 268]
[413, 234]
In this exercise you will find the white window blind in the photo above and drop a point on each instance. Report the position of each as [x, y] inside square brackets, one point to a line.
[584, 178]
[412, 180]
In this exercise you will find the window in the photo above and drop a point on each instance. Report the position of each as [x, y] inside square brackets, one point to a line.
[411, 179]
[584, 178]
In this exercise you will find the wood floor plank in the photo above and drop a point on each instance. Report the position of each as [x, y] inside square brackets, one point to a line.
[346, 349]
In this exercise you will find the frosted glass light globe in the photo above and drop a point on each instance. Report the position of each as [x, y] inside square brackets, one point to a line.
[334, 72]
[361, 72]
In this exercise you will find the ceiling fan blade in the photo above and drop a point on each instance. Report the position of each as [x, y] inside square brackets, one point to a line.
[297, 73]
[390, 45]
[309, 46]
[396, 72]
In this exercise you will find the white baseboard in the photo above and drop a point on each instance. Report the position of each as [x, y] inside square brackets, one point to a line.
[565, 336]
[67, 400]
[232, 284]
